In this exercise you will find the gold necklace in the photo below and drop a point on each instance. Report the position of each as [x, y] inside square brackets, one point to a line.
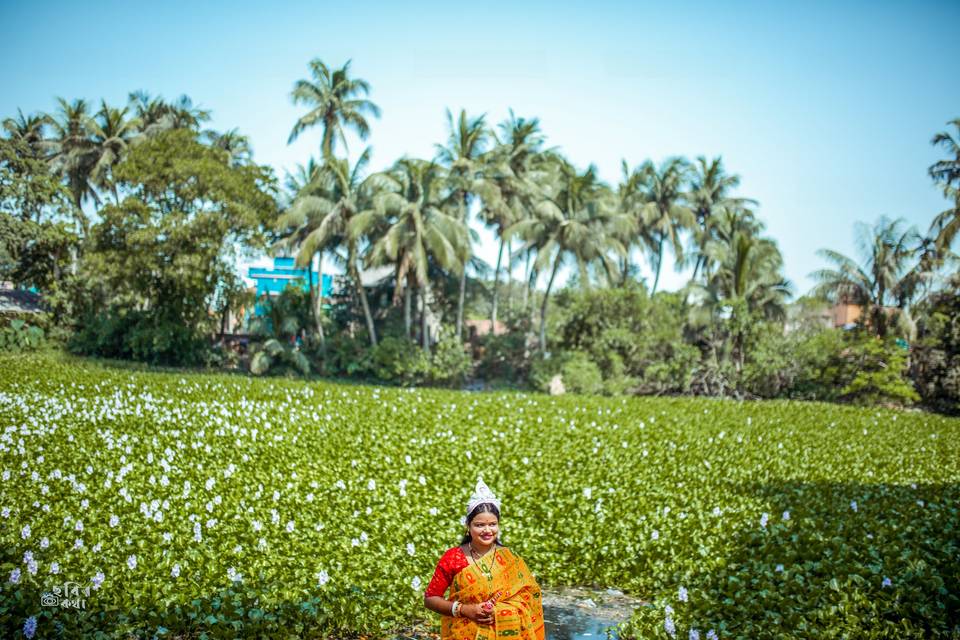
[484, 569]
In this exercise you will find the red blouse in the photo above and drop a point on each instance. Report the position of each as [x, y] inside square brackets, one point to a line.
[449, 566]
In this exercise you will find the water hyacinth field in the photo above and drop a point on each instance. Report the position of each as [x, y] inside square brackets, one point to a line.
[191, 505]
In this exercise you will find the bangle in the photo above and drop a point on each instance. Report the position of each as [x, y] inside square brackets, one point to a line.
[455, 609]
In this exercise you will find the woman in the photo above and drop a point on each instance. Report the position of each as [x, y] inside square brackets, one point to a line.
[493, 595]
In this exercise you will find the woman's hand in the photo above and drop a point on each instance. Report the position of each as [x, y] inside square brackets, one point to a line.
[476, 613]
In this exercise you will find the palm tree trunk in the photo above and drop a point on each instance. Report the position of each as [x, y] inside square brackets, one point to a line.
[460, 302]
[526, 279]
[463, 276]
[509, 279]
[496, 285]
[424, 326]
[407, 321]
[361, 292]
[543, 307]
[656, 279]
[318, 301]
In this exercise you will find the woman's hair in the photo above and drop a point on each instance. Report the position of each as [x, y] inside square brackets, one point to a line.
[483, 507]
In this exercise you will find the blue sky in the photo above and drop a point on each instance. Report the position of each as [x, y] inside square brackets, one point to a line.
[826, 110]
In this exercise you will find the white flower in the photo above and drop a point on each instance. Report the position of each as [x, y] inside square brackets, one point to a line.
[354, 542]
[340, 485]
[655, 535]
[886, 582]
[97, 580]
[415, 583]
[209, 484]
[25, 531]
[30, 627]
[175, 572]
[587, 492]
[78, 543]
[778, 568]
[422, 480]
[54, 567]
[290, 527]
[114, 520]
[5, 512]
[196, 532]
[372, 484]
[262, 544]
[15, 576]
[712, 635]
[410, 548]
[323, 577]
[682, 594]
[167, 536]
[132, 562]
[433, 511]
[257, 525]
[233, 575]
[44, 542]
[363, 536]
[763, 519]
[786, 515]
[694, 634]
[853, 505]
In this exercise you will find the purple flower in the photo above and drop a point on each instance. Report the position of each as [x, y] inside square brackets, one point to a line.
[30, 627]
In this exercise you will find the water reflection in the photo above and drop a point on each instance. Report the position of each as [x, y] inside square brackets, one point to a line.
[577, 623]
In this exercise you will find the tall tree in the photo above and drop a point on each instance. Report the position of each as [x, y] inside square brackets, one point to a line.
[709, 193]
[73, 151]
[112, 132]
[409, 227]
[336, 102]
[321, 216]
[946, 173]
[577, 222]
[462, 155]
[512, 185]
[881, 283]
[664, 210]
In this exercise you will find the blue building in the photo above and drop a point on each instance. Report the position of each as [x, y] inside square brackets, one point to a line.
[283, 273]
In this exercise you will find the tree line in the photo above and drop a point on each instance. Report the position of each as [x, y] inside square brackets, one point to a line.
[172, 202]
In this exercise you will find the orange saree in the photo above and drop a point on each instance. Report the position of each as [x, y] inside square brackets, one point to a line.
[518, 613]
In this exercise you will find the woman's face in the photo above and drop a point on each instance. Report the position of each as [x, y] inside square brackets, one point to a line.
[484, 528]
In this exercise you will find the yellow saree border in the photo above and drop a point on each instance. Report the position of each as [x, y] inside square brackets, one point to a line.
[518, 614]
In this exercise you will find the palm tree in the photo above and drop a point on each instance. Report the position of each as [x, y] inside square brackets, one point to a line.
[30, 130]
[336, 102]
[631, 200]
[235, 144]
[112, 132]
[747, 282]
[462, 156]
[709, 193]
[664, 210]
[74, 152]
[947, 173]
[157, 115]
[416, 229]
[881, 282]
[576, 222]
[321, 216]
[510, 187]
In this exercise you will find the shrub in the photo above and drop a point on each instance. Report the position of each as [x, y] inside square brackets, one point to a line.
[399, 360]
[580, 374]
[20, 336]
[450, 363]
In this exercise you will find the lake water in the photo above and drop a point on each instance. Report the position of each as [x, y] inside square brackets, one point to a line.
[576, 623]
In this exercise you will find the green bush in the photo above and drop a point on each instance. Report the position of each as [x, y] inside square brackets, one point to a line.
[879, 369]
[450, 363]
[20, 336]
[579, 373]
[141, 336]
[504, 357]
[935, 358]
[399, 360]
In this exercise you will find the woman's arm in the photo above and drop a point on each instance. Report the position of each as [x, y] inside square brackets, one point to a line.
[469, 611]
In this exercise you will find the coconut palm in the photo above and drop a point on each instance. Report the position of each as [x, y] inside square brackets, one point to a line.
[747, 282]
[112, 133]
[336, 102]
[631, 200]
[947, 173]
[462, 155]
[74, 152]
[321, 215]
[709, 193]
[577, 222]
[511, 187]
[410, 227]
[664, 210]
[879, 284]
[157, 115]
[30, 130]
[235, 144]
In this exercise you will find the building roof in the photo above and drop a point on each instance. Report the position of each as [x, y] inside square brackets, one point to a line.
[20, 301]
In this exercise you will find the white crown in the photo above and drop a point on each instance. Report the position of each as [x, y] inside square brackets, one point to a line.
[480, 495]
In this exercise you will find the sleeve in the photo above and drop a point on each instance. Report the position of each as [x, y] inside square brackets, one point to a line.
[442, 577]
